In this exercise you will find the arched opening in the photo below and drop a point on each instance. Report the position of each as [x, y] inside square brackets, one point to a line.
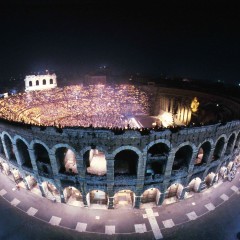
[44, 82]
[51, 81]
[156, 159]
[193, 187]
[218, 149]
[2, 153]
[124, 199]
[73, 196]
[150, 197]
[174, 193]
[23, 154]
[37, 83]
[95, 162]
[33, 185]
[126, 162]
[51, 192]
[223, 172]
[66, 160]
[5, 168]
[97, 199]
[209, 179]
[230, 145]
[203, 154]
[42, 160]
[16, 176]
[182, 158]
[30, 83]
[9, 148]
[237, 141]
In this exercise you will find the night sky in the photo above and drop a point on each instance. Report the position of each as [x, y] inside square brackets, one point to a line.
[176, 38]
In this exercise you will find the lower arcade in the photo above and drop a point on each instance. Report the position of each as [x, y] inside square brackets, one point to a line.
[123, 198]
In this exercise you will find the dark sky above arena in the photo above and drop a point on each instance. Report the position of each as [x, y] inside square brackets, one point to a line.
[194, 39]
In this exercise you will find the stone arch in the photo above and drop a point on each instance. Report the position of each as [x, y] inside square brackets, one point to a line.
[30, 83]
[73, 196]
[85, 149]
[94, 161]
[22, 148]
[97, 198]
[116, 151]
[126, 160]
[204, 151]
[194, 184]
[51, 192]
[151, 195]
[237, 140]
[2, 148]
[5, 168]
[8, 143]
[124, 198]
[174, 190]
[40, 142]
[51, 81]
[122, 188]
[183, 156]
[44, 82]
[157, 156]
[230, 144]
[164, 141]
[219, 147]
[209, 175]
[37, 82]
[42, 156]
[66, 158]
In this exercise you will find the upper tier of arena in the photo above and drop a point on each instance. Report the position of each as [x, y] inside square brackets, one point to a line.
[110, 106]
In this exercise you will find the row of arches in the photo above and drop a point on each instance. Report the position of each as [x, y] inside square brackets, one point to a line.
[124, 198]
[126, 161]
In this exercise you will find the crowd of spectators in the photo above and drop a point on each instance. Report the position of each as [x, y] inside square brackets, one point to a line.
[94, 105]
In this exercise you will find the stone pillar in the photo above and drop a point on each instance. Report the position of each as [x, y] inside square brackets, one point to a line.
[161, 199]
[61, 195]
[168, 169]
[59, 187]
[192, 162]
[33, 160]
[23, 175]
[5, 150]
[80, 168]
[110, 169]
[137, 201]
[111, 202]
[110, 181]
[54, 165]
[201, 185]
[41, 189]
[223, 150]
[84, 193]
[17, 154]
[181, 197]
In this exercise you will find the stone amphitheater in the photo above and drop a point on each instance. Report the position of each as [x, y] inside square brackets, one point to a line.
[121, 167]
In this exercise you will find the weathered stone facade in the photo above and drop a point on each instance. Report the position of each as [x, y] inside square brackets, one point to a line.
[163, 163]
[220, 144]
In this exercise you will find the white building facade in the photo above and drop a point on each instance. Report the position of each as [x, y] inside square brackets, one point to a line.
[40, 82]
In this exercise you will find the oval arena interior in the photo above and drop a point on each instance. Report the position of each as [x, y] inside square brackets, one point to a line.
[118, 146]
